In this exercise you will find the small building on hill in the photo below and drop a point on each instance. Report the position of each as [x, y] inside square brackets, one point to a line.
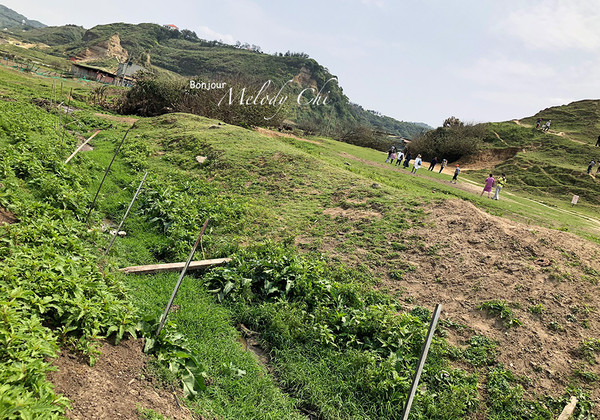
[123, 77]
[92, 73]
[128, 70]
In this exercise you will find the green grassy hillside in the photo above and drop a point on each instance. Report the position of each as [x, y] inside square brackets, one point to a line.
[11, 19]
[550, 166]
[319, 231]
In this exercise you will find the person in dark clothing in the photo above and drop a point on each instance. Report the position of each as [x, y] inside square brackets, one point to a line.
[598, 142]
[390, 151]
[590, 166]
[432, 164]
[407, 159]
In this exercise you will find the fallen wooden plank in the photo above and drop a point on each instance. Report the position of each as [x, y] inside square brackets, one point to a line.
[155, 268]
[567, 413]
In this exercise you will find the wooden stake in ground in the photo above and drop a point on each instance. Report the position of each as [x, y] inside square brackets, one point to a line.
[81, 147]
[168, 307]
[434, 320]
[567, 412]
[126, 213]
[87, 218]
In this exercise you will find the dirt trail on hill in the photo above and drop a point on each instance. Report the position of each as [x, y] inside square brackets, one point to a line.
[559, 133]
[475, 188]
[470, 257]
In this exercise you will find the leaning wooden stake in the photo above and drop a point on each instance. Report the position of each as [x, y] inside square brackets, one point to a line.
[87, 218]
[126, 213]
[568, 410]
[415, 383]
[166, 313]
[81, 147]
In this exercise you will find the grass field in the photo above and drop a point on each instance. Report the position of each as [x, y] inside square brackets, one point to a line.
[314, 226]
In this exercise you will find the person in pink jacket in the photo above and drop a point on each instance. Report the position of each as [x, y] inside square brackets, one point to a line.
[489, 183]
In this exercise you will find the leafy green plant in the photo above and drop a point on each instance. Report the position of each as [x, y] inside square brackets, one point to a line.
[589, 348]
[537, 309]
[501, 309]
[481, 351]
[171, 349]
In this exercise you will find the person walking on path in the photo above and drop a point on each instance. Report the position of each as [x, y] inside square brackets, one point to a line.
[417, 164]
[489, 182]
[407, 160]
[598, 142]
[546, 126]
[590, 166]
[432, 164]
[538, 123]
[390, 151]
[456, 172]
[444, 163]
[393, 157]
[400, 157]
[500, 182]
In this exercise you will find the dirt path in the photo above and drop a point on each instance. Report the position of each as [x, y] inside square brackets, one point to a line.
[501, 139]
[475, 188]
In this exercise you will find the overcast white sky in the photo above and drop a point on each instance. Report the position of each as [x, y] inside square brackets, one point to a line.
[479, 60]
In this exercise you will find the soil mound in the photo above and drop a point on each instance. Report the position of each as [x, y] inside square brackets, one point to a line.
[114, 387]
[549, 279]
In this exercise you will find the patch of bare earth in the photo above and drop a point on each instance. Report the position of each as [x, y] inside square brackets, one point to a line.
[275, 134]
[6, 216]
[487, 159]
[127, 120]
[114, 387]
[465, 257]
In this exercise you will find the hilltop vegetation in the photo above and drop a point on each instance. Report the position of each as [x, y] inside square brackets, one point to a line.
[183, 53]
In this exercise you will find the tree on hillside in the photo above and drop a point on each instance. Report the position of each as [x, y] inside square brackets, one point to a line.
[452, 122]
[452, 141]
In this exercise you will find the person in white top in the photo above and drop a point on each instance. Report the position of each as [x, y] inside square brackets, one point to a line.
[400, 157]
[417, 164]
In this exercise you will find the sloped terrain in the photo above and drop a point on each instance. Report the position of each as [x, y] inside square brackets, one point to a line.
[338, 261]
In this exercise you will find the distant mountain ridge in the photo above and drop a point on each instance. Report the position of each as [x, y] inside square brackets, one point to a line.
[11, 19]
[182, 52]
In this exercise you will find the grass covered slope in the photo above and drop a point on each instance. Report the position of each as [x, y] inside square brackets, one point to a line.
[314, 226]
[547, 165]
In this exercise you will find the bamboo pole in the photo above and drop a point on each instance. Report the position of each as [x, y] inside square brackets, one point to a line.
[160, 268]
[187, 264]
[434, 320]
[567, 412]
[126, 214]
[87, 218]
[66, 115]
